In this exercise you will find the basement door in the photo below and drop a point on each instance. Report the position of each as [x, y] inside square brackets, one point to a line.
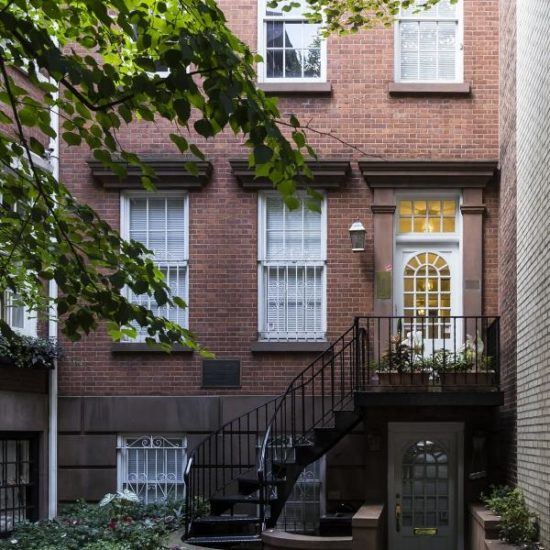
[425, 489]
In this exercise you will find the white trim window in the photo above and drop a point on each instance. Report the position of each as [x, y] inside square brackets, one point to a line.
[160, 222]
[292, 48]
[17, 316]
[152, 466]
[429, 43]
[292, 271]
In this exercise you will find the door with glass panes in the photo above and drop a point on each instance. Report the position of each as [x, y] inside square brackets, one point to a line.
[427, 272]
[424, 486]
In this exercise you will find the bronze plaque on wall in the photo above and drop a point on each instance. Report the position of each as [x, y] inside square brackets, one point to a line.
[221, 373]
[383, 285]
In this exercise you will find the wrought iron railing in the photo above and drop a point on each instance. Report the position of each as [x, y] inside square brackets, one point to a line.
[230, 451]
[450, 352]
[311, 400]
[404, 352]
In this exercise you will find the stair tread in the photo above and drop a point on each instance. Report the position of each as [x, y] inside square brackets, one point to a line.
[217, 539]
[238, 499]
[254, 479]
[237, 518]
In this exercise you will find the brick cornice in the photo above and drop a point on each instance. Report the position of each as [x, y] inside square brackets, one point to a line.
[327, 174]
[170, 171]
[383, 208]
[428, 174]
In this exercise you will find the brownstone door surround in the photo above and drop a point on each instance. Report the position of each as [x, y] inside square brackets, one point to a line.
[386, 177]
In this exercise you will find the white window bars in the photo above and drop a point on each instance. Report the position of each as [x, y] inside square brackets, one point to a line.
[292, 272]
[152, 467]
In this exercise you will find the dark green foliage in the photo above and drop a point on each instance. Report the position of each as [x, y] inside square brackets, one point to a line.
[517, 524]
[28, 352]
[90, 527]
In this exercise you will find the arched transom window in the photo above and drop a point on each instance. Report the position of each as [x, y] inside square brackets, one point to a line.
[427, 291]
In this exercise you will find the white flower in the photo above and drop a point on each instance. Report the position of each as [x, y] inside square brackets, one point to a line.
[414, 340]
[125, 495]
[14, 541]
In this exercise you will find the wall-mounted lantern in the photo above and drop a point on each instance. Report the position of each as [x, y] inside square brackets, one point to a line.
[357, 234]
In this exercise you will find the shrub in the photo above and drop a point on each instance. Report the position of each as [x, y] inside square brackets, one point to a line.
[517, 525]
[120, 524]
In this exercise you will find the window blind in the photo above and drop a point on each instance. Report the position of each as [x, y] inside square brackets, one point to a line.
[428, 43]
[293, 271]
[160, 224]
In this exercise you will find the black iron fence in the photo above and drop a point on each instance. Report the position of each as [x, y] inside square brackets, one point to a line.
[449, 352]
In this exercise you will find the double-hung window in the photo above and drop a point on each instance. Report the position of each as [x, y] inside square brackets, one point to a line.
[292, 47]
[292, 271]
[160, 222]
[152, 467]
[428, 43]
[17, 316]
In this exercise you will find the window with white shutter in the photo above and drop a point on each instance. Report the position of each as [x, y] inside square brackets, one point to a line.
[160, 223]
[428, 43]
[292, 48]
[292, 271]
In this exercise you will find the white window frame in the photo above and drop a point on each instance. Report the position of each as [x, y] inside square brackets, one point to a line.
[262, 261]
[30, 324]
[125, 197]
[122, 450]
[30, 321]
[459, 52]
[427, 237]
[262, 47]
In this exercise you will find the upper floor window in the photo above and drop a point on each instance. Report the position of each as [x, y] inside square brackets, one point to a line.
[160, 222]
[292, 48]
[292, 271]
[17, 316]
[428, 43]
[427, 216]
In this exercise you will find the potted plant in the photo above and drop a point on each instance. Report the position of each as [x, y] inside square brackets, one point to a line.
[467, 367]
[402, 364]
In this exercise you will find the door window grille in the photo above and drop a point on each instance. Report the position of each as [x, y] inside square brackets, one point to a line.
[292, 272]
[153, 466]
[427, 293]
[303, 509]
[425, 485]
[18, 482]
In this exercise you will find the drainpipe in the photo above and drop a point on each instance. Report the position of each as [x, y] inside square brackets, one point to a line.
[52, 333]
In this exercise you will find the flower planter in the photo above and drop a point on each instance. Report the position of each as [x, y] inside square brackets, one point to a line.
[454, 379]
[421, 379]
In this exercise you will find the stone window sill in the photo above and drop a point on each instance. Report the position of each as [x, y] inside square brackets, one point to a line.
[142, 347]
[403, 89]
[262, 346]
[296, 88]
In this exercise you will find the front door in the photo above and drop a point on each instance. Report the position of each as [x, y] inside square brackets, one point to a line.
[425, 474]
[428, 292]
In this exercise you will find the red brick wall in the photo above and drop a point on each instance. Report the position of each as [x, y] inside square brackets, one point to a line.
[223, 218]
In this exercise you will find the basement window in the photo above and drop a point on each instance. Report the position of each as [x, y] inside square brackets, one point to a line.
[152, 466]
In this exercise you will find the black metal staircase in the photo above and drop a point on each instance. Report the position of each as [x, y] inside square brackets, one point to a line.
[239, 478]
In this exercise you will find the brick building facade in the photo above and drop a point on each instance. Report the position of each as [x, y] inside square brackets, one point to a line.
[419, 171]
